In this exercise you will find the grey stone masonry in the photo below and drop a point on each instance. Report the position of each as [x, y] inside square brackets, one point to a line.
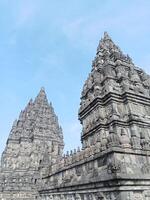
[35, 142]
[114, 161]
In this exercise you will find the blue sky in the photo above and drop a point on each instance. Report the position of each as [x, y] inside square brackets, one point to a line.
[52, 44]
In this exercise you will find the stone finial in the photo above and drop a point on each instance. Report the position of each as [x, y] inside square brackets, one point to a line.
[71, 152]
[108, 51]
[74, 151]
[106, 36]
[41, 97]
[67, 153]
[15, 123]
[13, 129]
[78, 150]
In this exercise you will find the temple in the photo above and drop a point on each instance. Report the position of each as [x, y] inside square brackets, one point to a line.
[114, 161]
[35, 141]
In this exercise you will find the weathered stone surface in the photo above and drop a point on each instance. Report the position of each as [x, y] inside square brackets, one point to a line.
[35, 142]
[114, 162]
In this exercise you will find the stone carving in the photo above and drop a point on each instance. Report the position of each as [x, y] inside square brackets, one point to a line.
[114, 166]
[135, 140]
[144, 141]
[113, 163]
[124, 139]
[113, 138]
[146, 168]
[104, 141]
[137, 196]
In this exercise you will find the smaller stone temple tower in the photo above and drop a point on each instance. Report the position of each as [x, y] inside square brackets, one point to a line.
[35, 142]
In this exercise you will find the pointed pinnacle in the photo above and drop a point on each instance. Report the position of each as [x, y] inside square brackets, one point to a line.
[42, 92]
[41, 97]
[107, 46]
[106, 36]
[42, 88]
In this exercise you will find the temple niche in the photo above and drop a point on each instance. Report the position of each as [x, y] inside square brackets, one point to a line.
[113, 162]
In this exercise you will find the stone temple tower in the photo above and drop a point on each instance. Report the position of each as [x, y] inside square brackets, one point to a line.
[114, 163]
[115, 99]
[35, 141]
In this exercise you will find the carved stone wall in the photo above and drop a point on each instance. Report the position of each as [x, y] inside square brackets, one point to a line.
[114, 161]
[115, 113]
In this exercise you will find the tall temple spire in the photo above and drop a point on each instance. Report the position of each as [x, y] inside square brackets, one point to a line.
[36, 129]
[107, 50]
[113, 73]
